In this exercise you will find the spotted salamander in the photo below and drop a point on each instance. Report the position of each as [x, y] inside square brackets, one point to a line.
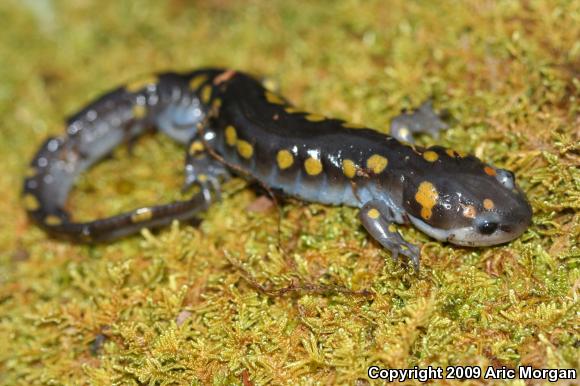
[231, 123]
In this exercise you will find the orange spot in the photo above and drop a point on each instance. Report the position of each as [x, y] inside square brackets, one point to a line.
[427, 197]
[224, 77]
[489, 171]
[469, 211]
[488, 204]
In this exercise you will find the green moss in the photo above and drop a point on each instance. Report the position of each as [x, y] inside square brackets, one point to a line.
[222, 302]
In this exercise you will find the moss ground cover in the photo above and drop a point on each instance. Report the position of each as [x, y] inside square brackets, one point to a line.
[184, 305]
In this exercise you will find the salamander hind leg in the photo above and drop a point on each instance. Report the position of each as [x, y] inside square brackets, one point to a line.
[421, 120]
[378, 220]
[203, 170]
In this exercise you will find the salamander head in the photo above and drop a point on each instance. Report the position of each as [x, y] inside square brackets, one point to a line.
[472, 204]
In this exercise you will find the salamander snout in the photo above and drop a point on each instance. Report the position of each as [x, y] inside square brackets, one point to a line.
[504, 224]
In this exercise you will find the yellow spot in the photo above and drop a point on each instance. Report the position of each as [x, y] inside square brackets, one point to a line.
[141, 83]
[350, 125]
[489, 171]
[216, 105]
[52, 220]
[231, 135]
[348, 168]
[427, 197]
[313, 166]
[293, 110]
[284, 159]
[315, 117]
[469, 211]
[488, 204]
[202, 178]
[197, 81]
[206, 93]
[31, 202]
[461, 154]
[273, 98]
[142, 214]
[31, 172]
[430, 156]
[245, 149]
[451, 153]
[392, 228]
[196, 147]
[139, 111]
[373, 213]
[377, 163]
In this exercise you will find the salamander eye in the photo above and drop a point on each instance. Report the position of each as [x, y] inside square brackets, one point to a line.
[506, 178]
[487, 227]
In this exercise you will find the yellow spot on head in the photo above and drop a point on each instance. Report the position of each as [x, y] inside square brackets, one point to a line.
[348, 168]
[202, 177]
[377, 163]
[231, 135]
[469, 211]
[315, 117]
[196, 147]
[206, 93]
[313, 166]
[139, 111]
[373, 213]
[52, 220]
[245, 149]
[350, 125]
[31, 202]
[197, 81]
[273, 98]
[489, 171]
[427, 197]
[141, 83]
[430, 156]
[142, 214]
[488, 204]
[284, 159]
[392, 228]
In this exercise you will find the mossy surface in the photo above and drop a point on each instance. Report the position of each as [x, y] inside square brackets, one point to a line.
[182, 306]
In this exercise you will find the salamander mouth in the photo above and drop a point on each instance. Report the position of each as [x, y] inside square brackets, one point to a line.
[469, 236]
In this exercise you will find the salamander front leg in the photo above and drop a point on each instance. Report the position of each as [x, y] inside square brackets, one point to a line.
[203, 170]
[378, 220]
[421, 120]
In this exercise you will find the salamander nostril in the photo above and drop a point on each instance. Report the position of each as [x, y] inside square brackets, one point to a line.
[487, 227]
